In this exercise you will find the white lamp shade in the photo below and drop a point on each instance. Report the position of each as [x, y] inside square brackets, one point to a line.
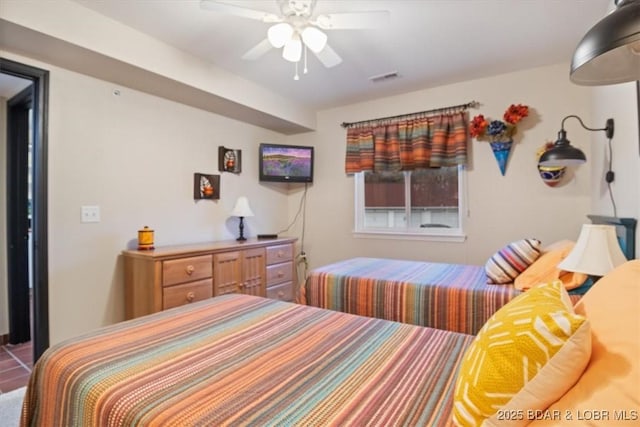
[279, 34]
[242, 208]
[596, 252]
[315, 39]
[293, 49]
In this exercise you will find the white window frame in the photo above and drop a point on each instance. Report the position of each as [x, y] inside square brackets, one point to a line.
[412, 233]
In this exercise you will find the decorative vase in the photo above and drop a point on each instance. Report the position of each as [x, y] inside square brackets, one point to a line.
[551, 175]
[501, 150]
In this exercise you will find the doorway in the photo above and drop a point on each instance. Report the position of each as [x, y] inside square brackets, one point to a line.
[26, 207]
[19, 199]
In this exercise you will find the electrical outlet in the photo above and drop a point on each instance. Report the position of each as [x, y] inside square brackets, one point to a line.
[90, 214]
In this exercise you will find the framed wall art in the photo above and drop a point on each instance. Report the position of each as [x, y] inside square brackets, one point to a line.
[229, 160]
[206, 186]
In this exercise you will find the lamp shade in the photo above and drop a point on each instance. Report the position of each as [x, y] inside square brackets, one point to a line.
[293, 49]
[596, 252]
[279, 34]
[562, 153]
[242, 208]
[315, 39]
[610, 51]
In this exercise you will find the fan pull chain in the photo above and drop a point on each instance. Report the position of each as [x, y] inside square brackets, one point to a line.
[296, 76]
[305, 60]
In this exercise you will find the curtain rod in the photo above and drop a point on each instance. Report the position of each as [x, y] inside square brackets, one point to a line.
[472, 104]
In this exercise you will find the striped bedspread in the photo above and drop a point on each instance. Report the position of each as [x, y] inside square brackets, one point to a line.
[246, 360]
[453, 297]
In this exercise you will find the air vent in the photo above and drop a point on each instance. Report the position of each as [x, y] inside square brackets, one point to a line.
[384, 77]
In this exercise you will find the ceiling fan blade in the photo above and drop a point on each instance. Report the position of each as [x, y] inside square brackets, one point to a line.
[258, 50]
[353, 20]
[258, 15]
[328, 57]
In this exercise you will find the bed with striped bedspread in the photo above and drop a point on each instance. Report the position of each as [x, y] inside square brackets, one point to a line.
[454, 297]
[246, 360]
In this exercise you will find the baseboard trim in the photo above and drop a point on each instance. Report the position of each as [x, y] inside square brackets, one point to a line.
[4, 339]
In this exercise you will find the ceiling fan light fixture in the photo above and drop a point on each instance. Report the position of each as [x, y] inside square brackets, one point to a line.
[297, 27]
[314, 39]
[279, 34]
[293, 49]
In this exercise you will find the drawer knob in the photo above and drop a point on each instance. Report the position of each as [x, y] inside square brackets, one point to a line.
[280, 273]
[191, 296]
[280, 294]
[190, 269]
[280, 254]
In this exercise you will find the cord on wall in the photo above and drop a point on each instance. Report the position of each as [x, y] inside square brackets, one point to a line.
[609, 178]
[301, 258]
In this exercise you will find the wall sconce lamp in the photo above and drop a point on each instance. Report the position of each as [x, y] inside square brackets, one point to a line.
[564, 154]
[609, 52]
[241, 210]
[596, 252]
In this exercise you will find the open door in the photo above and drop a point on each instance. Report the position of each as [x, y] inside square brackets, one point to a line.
[18, 215]
[18, 208]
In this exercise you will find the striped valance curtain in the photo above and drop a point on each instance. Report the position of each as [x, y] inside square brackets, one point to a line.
[416, 143]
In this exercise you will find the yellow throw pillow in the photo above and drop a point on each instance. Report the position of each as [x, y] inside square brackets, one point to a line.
[527, 355]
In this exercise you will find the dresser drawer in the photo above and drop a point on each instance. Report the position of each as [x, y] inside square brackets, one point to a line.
[282, 292]
[186, 269]
[279, 253]
[278, 273]
[174, 296]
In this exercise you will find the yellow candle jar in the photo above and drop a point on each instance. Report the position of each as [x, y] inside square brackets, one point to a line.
[145, 238]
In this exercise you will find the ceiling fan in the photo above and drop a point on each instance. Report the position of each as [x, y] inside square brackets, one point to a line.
[297, 29]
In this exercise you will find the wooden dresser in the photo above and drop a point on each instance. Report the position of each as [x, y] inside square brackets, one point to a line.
[171, 276]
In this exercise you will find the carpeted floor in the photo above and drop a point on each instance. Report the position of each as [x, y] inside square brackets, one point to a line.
[10, 407]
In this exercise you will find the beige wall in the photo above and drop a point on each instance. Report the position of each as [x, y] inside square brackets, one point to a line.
[501, 208]
[4, 312]
[620, 103]
[134, 155]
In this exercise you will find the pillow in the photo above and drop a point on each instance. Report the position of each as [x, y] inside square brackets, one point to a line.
[506, 264]
[527, 355]
[609, 384]
[545, 269]
[559, 244]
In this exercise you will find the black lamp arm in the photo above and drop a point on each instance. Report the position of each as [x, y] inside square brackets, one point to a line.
[608, 129]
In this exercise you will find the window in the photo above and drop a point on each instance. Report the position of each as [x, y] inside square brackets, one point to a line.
[423, 202]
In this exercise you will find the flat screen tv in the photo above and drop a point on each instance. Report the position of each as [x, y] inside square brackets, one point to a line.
[286, 163]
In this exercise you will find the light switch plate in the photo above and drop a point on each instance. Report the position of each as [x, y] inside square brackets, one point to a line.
[90, 214]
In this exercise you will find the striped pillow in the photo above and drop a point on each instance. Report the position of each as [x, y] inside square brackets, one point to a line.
[506, 264]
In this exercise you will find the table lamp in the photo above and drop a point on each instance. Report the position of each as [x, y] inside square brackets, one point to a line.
[241, 210]
[596, 252]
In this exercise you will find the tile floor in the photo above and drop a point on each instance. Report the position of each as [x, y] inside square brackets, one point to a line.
[16, 362]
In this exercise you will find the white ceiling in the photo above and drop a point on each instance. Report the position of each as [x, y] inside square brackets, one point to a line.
[427, 42]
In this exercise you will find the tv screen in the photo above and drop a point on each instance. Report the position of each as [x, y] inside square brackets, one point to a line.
[286, 163]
